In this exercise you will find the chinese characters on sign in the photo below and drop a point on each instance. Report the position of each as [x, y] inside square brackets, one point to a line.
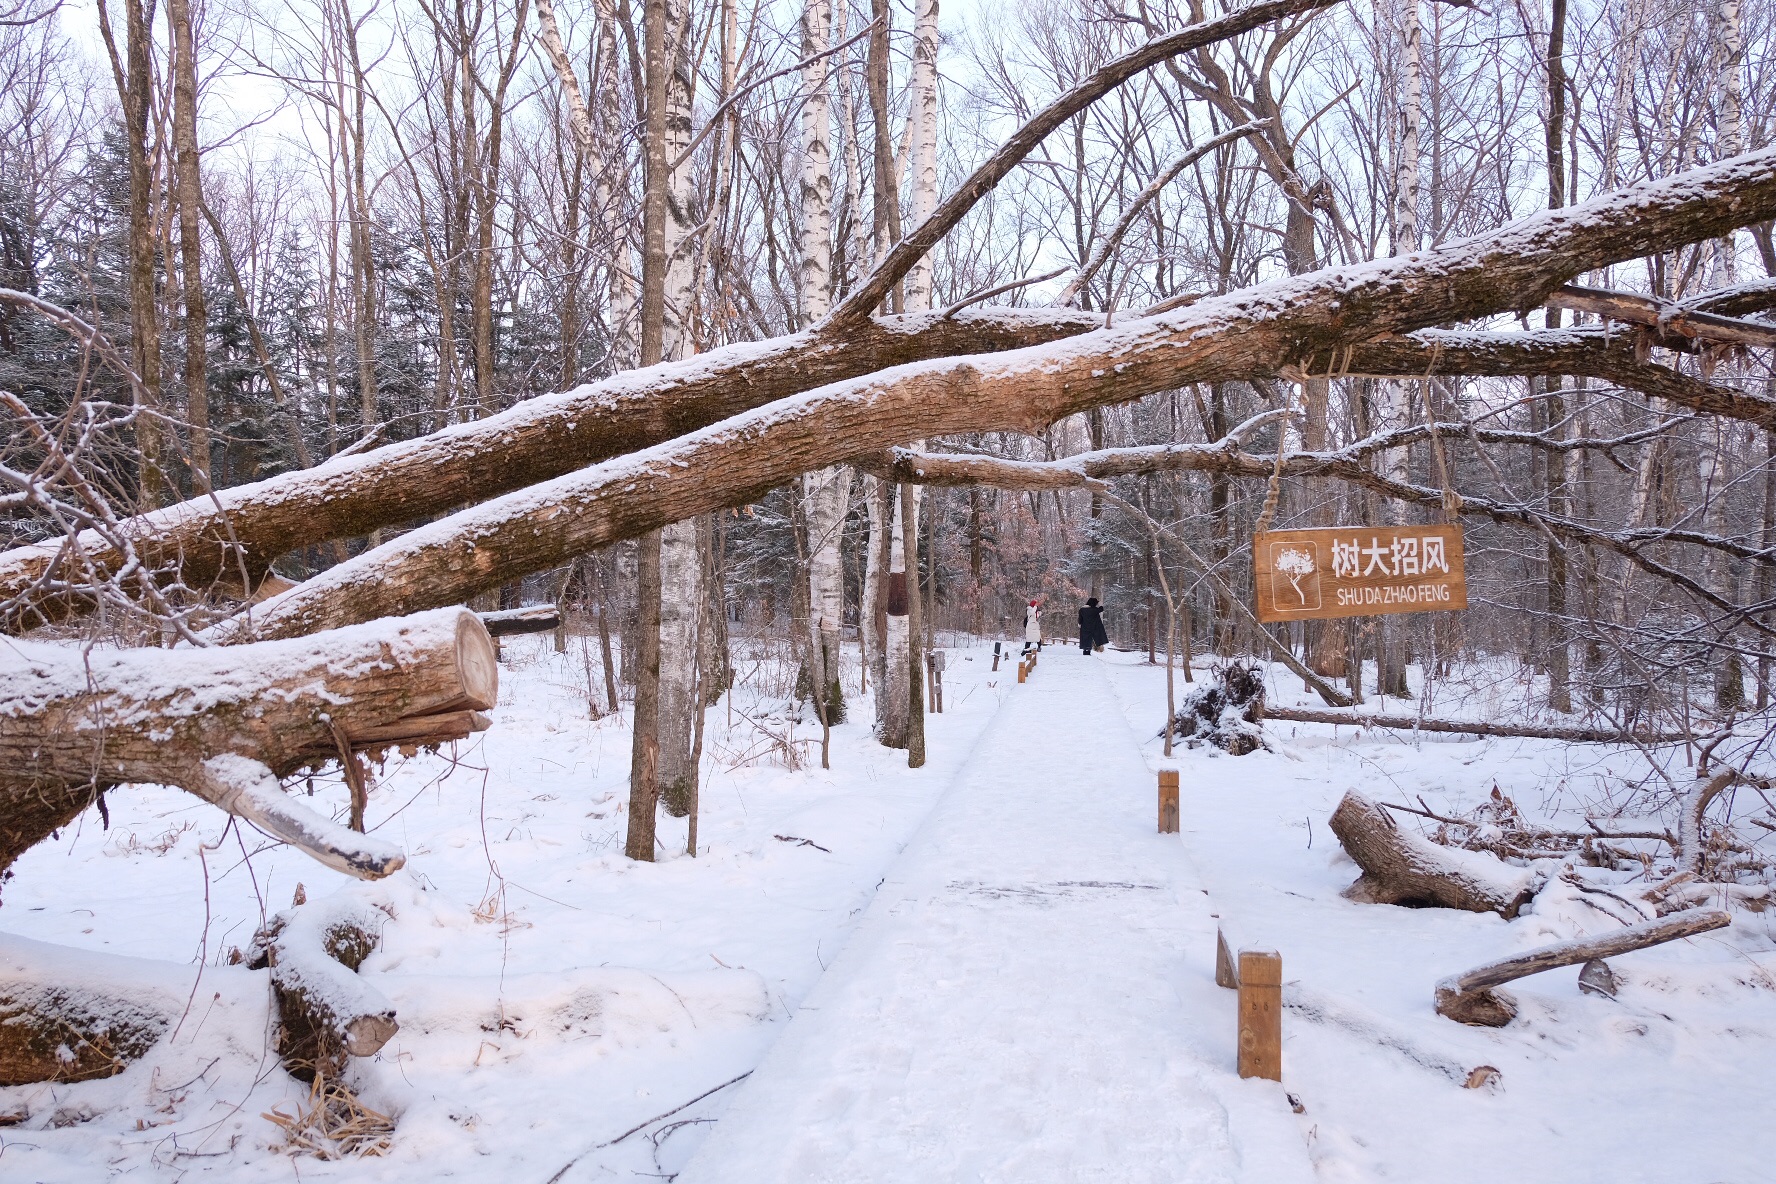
[1358, 571]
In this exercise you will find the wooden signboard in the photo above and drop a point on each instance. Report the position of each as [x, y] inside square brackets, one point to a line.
[1357, 571]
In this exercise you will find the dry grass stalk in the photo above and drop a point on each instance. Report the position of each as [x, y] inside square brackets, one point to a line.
[333, 1124]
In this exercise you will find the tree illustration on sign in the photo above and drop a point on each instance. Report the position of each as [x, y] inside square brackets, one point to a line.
[1295, 563]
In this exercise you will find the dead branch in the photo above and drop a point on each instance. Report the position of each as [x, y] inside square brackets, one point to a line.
[1470, 999]
[1572, 735]
[326, 1012]
[1667, 319]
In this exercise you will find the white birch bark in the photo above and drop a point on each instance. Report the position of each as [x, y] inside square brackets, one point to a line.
[682, 584]
[1395, 396]
[549, 32]
[857, 252]
[869, 644]
[608, 202]
[922, 145]
[826, 494]
[817, 185]
[1729, 132]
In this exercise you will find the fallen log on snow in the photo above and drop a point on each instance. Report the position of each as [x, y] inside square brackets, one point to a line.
[1310, 715]
[226, 724]
[68, 1032]
[326, 1013]
[1402, 868]
[511, 621]
[1470, 998]
[77, 1015]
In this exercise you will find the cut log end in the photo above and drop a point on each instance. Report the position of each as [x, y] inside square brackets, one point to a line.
[1482, 1008]
[477, 663]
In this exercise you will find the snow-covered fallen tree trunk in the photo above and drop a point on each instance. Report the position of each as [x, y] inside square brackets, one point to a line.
[225, 724]
[326, 1013]
[207, 539]
[1402, 868]
[72, 1031]
[1470, 998]
[1250, 332]
[1575, 735]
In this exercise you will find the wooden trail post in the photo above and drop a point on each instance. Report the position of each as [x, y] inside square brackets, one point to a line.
[1261, 1014]
[1168, 801]
[995, 657]
[1023, 671]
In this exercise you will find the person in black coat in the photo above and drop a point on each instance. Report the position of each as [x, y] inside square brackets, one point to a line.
[1091, 626]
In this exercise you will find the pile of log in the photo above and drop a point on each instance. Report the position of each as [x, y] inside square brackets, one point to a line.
[75, 1015]
[227, 723]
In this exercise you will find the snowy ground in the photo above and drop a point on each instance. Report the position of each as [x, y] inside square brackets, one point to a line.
[1664, 1083]
[554, 995]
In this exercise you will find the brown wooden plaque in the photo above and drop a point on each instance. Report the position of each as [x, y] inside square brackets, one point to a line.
[1357, 571]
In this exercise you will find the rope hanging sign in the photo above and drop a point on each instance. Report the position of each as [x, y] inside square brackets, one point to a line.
[1357, 571]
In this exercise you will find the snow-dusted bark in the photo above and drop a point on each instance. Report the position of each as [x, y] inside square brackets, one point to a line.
[827, 497]
[922, 137]
[1253, 331]
[1729, 129]
[223, 724]
[683, 589]
[893, 700]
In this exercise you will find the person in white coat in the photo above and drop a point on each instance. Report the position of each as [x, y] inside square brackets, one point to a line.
[1033, 627]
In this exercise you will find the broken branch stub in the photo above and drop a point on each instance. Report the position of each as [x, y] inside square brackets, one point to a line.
[1405, 869]
[1471, 998]
[326, 1012]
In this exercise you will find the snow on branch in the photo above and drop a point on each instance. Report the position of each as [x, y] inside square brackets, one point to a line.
[1254, 331]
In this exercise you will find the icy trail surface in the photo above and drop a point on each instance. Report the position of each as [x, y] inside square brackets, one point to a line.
[1029, 997]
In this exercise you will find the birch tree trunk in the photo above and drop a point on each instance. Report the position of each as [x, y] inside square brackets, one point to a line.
[892, 688]
[1559, 635]
[190, 200]
[826, 494]
[922, 131]
[1395, 395]
[682, 584]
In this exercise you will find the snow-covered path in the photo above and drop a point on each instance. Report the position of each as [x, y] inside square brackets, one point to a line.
[1029, 997]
